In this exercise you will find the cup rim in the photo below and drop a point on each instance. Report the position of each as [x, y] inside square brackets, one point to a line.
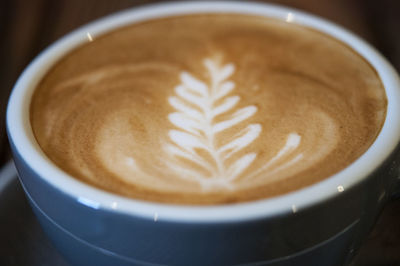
[21, 135]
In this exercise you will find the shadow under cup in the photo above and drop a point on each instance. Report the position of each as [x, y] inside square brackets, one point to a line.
[320, 225]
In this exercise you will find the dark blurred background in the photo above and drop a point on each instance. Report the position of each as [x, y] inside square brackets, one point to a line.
[27, 27]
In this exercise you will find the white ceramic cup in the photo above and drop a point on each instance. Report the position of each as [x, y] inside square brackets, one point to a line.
[319, 225]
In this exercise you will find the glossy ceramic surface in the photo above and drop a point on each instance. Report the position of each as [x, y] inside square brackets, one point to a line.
[323, 222]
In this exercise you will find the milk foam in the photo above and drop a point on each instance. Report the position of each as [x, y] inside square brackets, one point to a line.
[198, 131]
[177, 111]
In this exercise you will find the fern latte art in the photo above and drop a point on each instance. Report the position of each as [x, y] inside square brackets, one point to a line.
[208, 109]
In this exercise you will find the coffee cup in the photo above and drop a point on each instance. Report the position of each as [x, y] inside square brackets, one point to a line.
[240, 210]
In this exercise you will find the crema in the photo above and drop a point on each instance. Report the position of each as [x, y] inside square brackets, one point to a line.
[208, 109]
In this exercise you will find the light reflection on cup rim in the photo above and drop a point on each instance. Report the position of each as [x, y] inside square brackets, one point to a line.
[21, 133]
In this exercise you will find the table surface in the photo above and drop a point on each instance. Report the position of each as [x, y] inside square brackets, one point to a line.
[27, 27]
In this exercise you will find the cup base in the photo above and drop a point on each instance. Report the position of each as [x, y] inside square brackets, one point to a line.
[80, 253]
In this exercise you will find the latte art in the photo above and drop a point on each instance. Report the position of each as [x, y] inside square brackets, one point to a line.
[198, 130]
[177, 111]
[196, 103]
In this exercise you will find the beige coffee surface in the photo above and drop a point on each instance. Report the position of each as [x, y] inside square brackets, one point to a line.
[208, 109]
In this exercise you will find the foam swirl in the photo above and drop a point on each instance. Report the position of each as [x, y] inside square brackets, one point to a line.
[176, 111]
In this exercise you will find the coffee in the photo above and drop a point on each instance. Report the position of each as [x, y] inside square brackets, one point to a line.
[208, 109]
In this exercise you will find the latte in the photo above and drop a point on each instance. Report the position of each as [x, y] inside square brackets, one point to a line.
[208, 109]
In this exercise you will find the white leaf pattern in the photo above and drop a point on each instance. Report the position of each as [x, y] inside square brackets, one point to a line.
[225, 88]
[193, 84]
[240, 165]
[194, 140]
[236, 118]
[185, 122]
[225, 106]
[195, 103]
[180, 106]
[241, 140]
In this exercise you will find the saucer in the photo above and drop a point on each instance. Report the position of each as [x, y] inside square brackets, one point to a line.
[22, 240]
